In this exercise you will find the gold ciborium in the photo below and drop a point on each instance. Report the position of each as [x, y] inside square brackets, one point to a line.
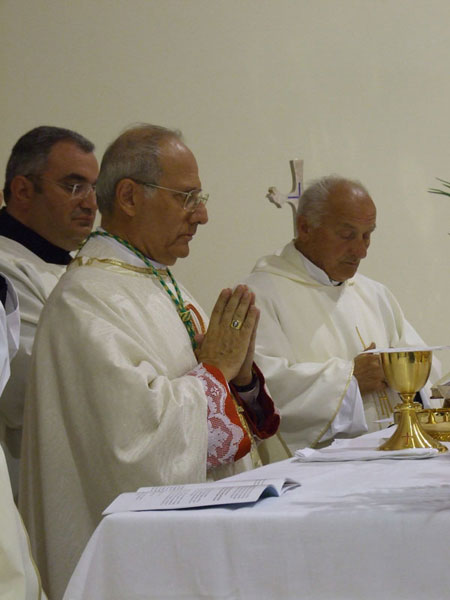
[406, 372]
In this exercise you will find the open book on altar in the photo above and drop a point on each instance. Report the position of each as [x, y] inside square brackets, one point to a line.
[215, 493]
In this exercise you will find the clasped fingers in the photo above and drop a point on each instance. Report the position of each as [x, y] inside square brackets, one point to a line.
[227, 341]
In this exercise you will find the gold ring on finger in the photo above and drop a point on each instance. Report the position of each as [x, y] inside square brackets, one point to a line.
[236, 324]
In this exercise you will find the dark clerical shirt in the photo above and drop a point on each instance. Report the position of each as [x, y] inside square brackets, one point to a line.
[15, 230]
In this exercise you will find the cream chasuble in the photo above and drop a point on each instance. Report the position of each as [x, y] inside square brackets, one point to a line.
[307, 340]
[116, 401]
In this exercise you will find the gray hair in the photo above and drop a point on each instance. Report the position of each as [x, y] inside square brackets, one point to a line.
[30, 153]
[134, 154]
[313, 202]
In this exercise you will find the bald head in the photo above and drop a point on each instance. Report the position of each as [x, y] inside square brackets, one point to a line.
[335, 221]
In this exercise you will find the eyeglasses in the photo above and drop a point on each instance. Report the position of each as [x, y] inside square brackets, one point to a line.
[192, 199]
[78, 191]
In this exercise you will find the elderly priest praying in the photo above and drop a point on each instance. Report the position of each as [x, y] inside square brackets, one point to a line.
[130, 386]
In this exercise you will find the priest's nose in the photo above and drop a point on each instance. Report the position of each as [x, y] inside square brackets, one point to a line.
[360, 247]
[200, 215]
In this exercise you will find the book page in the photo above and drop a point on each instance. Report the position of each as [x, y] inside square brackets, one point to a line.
[169, 497]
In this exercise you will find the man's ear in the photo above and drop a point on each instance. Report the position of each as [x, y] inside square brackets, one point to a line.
[126, 197]
[303, 228]
[22, 191]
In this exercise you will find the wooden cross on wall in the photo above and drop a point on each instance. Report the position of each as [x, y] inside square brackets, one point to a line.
[293, 196]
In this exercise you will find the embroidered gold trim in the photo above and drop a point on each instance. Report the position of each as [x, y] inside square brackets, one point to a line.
[254, 454]
[325, 429]
[87, 261]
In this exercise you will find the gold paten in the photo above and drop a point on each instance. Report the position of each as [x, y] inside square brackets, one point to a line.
[436, 422]
[406, 372]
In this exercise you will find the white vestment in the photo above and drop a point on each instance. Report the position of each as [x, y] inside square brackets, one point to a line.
[19, 578]
[307, 340]
[33, 279]
[110, 405]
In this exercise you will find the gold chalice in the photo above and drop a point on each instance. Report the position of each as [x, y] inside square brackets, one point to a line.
[406, 372]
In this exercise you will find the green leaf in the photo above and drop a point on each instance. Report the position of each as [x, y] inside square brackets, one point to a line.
[446, 183]
[438, 191]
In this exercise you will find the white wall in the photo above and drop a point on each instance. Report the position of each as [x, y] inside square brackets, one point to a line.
[357, 87]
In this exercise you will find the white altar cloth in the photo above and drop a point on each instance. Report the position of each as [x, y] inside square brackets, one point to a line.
[354, 530]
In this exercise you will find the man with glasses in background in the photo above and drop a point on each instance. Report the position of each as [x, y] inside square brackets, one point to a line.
[49, 194]
[138, 385]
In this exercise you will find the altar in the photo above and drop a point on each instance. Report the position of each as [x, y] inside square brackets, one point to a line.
[357, 530]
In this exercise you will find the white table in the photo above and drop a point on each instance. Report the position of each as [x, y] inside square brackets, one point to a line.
[354, 530]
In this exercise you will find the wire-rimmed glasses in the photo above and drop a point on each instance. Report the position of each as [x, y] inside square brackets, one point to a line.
[192, 199]
[78, 191]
